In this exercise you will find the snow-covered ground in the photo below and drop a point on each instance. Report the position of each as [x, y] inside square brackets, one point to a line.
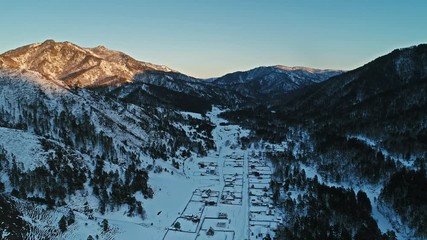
[219, 187]
[226, 192]
[206, 192]
[24, 146]
[212, 194]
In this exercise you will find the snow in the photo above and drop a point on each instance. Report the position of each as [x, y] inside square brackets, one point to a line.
[80, 66]
[5, 234]
[193, 115]
[191, 195]
[364, 139]
[384, 221]
[184, 201]
[24, 146]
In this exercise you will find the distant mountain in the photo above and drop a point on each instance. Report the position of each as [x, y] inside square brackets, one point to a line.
[118, 75]
[77, 66]
[400, 68]
[123, 77]
[175, 90]
[274, 80]
[233, 90]
[385, 99]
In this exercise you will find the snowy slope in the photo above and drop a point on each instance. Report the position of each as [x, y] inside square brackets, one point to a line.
[26, 147]
[77, 66]
[48, 127]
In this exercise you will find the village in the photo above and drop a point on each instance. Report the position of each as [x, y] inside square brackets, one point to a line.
[235, 201]
[264, 220]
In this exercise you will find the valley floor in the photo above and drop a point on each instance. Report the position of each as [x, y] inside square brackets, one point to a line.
[222, 196]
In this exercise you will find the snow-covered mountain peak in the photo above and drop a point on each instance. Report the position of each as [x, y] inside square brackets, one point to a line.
[274, 80]
[305, 69]
[77, 66]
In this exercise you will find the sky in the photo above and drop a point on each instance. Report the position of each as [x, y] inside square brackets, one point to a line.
[208, 38]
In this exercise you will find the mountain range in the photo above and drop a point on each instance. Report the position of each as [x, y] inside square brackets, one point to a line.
[100, 67]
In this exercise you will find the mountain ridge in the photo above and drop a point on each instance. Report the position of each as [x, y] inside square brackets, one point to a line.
[124, 77]
[272, 81]
[100, 66]
[77, 66]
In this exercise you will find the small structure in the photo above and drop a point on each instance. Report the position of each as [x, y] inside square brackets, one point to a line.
[222, 215]
[221, 224]
[230, 179]
[210, 232]
[230, 197]
[211, 170]
[207, 193]
[270, 212]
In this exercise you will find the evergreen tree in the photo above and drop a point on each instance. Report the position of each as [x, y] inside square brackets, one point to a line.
[71, 217]
[364, 202]
[14, 173]
[63, 224]
[105, 226]
[177, 225]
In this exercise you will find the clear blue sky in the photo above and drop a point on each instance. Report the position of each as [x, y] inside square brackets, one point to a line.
[207, 38]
